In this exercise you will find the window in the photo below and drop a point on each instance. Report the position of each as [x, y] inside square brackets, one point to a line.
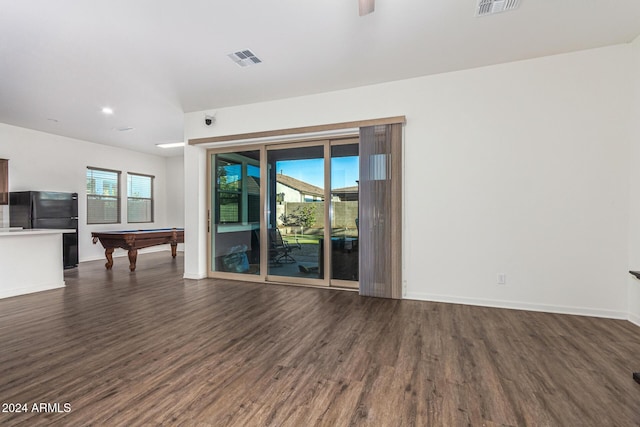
[229, 189]
[237, 189]
[139, 198]
[103, 196]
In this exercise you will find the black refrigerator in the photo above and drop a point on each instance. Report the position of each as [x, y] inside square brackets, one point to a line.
[48, 209]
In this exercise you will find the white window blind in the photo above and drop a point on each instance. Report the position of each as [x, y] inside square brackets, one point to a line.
[103, 196]
[139, 198]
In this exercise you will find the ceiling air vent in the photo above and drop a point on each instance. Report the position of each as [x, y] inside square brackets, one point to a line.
[489, 7]
[244, 58]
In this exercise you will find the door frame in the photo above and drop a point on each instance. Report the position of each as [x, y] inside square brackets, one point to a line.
[211, 213]
[325, 281]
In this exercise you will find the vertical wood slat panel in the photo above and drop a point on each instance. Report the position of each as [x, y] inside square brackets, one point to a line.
[396, 210]
[380, 211]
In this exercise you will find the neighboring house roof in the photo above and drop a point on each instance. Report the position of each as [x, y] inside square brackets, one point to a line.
[311, 190]
[346, 194]
[301, 186]
[344, 190]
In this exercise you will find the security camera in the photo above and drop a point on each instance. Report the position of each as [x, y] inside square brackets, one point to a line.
[209, 120]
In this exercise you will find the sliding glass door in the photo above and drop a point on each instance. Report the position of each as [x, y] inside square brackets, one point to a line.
[296, 221]
[286, 213]
[345, 195]
[234, 217]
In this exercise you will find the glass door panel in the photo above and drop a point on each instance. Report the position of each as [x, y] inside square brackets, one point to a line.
[296, 219]
[344, 213]
[235, 222]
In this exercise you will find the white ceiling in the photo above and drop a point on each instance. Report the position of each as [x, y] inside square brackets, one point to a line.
[153, 60]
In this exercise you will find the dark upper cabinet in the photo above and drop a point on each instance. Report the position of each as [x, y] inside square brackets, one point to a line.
[4, 182]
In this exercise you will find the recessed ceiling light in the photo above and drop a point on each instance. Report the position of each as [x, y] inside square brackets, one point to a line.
[124, 129]
[170, 145]
[53, 120]
[107, 110]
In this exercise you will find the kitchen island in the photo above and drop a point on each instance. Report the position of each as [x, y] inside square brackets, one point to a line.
[30, 260]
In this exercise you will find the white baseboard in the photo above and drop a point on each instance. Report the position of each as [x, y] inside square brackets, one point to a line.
[12, 292]
[634, 319]
[514, 305]
[194, 276]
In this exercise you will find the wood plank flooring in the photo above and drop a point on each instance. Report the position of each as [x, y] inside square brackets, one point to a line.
[149, 348]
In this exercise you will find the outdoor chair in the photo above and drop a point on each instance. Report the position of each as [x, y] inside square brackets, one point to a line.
[280, 249]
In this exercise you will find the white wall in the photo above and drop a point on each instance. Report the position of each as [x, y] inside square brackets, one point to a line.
[195, 218]
[45, 162]
[634, 196]
[175, 191]
[519, 168]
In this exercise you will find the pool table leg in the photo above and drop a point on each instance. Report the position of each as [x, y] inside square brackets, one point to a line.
[133, 256]
[108, 252]
[174, 246]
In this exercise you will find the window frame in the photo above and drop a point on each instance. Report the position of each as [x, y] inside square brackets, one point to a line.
[117, 198]
[237, 193]
[151, 199]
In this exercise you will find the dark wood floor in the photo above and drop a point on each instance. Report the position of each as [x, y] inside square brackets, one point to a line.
[149, 348]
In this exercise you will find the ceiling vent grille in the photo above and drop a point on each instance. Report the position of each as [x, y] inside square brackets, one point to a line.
[244, 58]
[489, 7]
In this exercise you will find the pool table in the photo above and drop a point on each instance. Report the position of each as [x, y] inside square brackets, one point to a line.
[132, 240]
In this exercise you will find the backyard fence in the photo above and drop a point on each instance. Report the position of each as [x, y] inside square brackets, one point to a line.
[344, 215]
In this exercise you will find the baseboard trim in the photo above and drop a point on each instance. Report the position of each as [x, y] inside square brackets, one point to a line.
[14, 292]
[194, 276]
[514, 305]
[634, 319]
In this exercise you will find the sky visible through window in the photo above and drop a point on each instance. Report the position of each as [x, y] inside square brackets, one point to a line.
[344, 171]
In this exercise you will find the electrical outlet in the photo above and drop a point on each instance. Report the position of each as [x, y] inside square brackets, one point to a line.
[502, 279]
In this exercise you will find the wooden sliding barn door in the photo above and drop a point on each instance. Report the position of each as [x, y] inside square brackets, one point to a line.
[380, 212]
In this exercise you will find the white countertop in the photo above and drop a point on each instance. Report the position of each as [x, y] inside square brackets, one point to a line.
[9, 232]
